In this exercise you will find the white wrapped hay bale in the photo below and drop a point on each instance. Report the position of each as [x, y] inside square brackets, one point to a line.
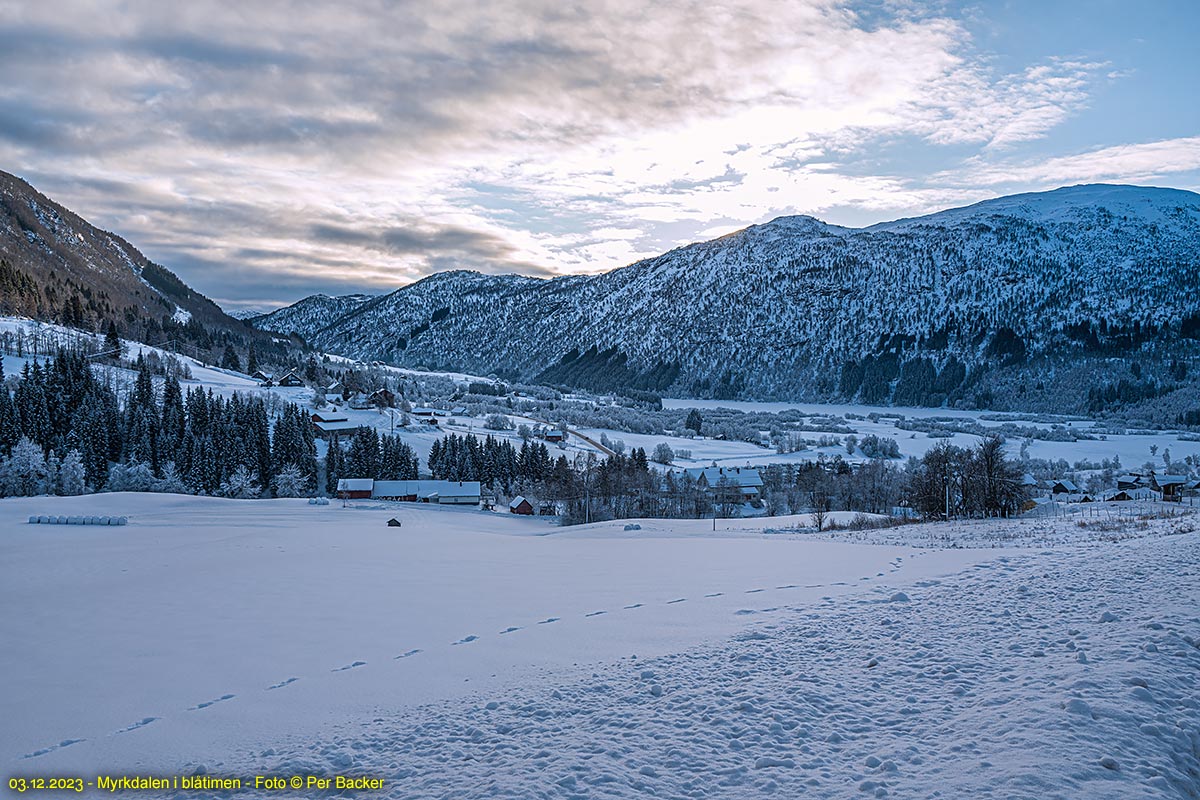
[122, 520]
[33, 519]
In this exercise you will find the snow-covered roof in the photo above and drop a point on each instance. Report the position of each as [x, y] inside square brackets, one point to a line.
[328, 416]
[424, 412]
[1171, 480]
[355, 484]
[426, 489]
[339, 426]
[1068, 485]
[516, 501]
[745, 477]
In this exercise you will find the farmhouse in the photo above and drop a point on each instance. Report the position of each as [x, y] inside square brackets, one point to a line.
[520, 505]
[745, 480]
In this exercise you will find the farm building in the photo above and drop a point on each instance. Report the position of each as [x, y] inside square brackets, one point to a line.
[456, 493]
[423, 412]
[520, 505]
[355, 488]
[328, 416]
[259, 376]
[1128, 495]
[556, 435]
[328, 430]
[1171, 486]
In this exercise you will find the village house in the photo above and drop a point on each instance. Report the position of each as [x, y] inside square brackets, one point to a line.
[520, 505]
[382, 397]
[289, 378]
[260, 376]
[336, 389]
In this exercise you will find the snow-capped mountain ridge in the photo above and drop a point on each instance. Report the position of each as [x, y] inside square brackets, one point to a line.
[798, 309]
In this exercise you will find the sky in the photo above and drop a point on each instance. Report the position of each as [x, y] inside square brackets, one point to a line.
[270, 150]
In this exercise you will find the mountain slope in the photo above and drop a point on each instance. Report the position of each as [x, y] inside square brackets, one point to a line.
[951, 307]
[310, 314]
[56, 266]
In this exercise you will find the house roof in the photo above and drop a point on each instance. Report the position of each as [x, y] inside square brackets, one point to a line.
[1171, 480]
[1068, 485]
[355, 484]
[1129, 478]
[423, 411]
[328, 416]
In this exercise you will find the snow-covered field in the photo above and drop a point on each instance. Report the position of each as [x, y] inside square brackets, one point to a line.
[474, 654]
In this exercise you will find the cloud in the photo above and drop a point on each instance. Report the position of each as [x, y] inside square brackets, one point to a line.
[366, 144]
[1136, 162]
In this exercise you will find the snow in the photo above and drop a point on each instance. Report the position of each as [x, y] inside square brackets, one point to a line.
[473, 654]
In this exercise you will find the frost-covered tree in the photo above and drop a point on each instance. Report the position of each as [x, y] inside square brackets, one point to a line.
[23, 473]
[663, 454]
[134, 477]
[171, 481]
[242, 484]
[291, 482]
[72, 477]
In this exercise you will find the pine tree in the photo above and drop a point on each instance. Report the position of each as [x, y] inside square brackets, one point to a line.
[112, 343]
[252, 361]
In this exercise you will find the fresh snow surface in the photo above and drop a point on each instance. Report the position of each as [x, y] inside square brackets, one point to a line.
[471, 654]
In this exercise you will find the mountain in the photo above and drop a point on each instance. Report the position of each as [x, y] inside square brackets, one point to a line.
[56, 266]
[310, 314]
[1082, 298]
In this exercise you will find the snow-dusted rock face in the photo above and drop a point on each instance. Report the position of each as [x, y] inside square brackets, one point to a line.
[310, 314]
[800, 309]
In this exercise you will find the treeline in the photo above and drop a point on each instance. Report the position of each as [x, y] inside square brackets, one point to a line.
[148, 439]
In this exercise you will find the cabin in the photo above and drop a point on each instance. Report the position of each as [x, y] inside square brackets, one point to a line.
[555, 435]
[1064, 487]
[260, 376]
[289, 378]
[355, 488]
[393, 523]
[520, 505]
[383, 398]
[337, 388]
[746, 481]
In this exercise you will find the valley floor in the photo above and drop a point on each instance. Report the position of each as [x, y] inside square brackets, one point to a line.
[478, 655]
